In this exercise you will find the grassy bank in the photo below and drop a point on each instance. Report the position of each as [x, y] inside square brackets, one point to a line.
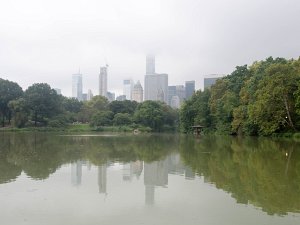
[77, 128]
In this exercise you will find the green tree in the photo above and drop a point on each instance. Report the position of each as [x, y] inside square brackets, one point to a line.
[123, 107]
[19, 111]
[150, 114]
[122, 119]
[102, 118]
[8, 91]
[72, 105]
[90, 108]
[42, 101]
[195, 111]
[274, 108]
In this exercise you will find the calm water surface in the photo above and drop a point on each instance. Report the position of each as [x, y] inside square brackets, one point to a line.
[147, 179]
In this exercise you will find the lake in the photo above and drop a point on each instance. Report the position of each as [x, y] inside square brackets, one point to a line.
[48, 178]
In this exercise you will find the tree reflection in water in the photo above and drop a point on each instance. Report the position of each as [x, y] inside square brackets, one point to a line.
[257, 171]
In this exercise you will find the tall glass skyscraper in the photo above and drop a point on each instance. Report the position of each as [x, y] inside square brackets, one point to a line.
[150, 64]
[156, 85]
[189, 88]
[77, 86]
[127, 89]
[103, 81]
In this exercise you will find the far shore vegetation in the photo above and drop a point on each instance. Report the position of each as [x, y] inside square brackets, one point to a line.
[262, 99]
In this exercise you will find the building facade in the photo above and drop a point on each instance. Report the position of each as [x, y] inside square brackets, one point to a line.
[111, 96]
[156, 87]
[189, 89]
[150, 64]
[121, 98]
[127, 89]
[77, 86]
[210, 80]
[90, 95]
[103, 81]
[137, 92]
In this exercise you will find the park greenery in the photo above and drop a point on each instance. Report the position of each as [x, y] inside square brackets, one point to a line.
[40, 106]
[260, 99]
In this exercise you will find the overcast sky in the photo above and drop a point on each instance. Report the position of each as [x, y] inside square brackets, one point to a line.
[47, 41]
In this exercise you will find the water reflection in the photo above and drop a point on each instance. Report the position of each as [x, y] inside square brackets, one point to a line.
[261, 172]
[102, 178]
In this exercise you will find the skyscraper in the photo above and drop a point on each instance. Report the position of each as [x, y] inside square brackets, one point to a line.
[171, 93]
[156, 87]
[180, 92]
[137, 92]
[150, 64]
[127, 89]
[89, 95]
[111, 96]
[58, 91]
[189, 88]
[103, 81]
[77, 86]
[210, 80]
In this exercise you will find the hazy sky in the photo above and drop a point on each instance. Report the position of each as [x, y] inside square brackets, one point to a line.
[47, 41]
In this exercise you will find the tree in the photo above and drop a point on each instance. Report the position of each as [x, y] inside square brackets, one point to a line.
[102, 118]
[122, 119]
[150, 113]
[42, 101]
[274, 107]
[8, 91]
[90, 108]
[19, 111]
[123, 107]
[72, 105]
[196, 111]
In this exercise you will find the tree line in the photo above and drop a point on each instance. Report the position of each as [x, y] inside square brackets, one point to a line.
[40, 105]
[260, 99]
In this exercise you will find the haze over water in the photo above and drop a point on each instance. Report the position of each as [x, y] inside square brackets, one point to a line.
[147, 179]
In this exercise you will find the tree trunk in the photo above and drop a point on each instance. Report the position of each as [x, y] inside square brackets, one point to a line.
[3, 120]
[35, 118]
[9, 117]
[287, 108]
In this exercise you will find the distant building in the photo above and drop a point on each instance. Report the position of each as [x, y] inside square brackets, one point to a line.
[189, 89]
[127, 89]
[58, 91]
[84, 97]
[180, 92]
[77, 86]
[171, 93]
[211, 80]
[176, 95]
[137, 92]
[103, 81]
[111, 96]
[156, 87]
[150, 64]
[90, 95]
[102, 179]
[121, 98]
[175, 102]
[76, 173]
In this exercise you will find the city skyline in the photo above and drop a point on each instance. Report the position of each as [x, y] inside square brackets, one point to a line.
[48, 42]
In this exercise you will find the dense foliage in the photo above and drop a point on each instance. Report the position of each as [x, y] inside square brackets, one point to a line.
[40, 105]
[261, 99]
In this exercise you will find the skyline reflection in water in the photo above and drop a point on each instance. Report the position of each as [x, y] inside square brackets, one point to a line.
[175, 173]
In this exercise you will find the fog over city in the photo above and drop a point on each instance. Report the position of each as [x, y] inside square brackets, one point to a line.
[48, 41]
